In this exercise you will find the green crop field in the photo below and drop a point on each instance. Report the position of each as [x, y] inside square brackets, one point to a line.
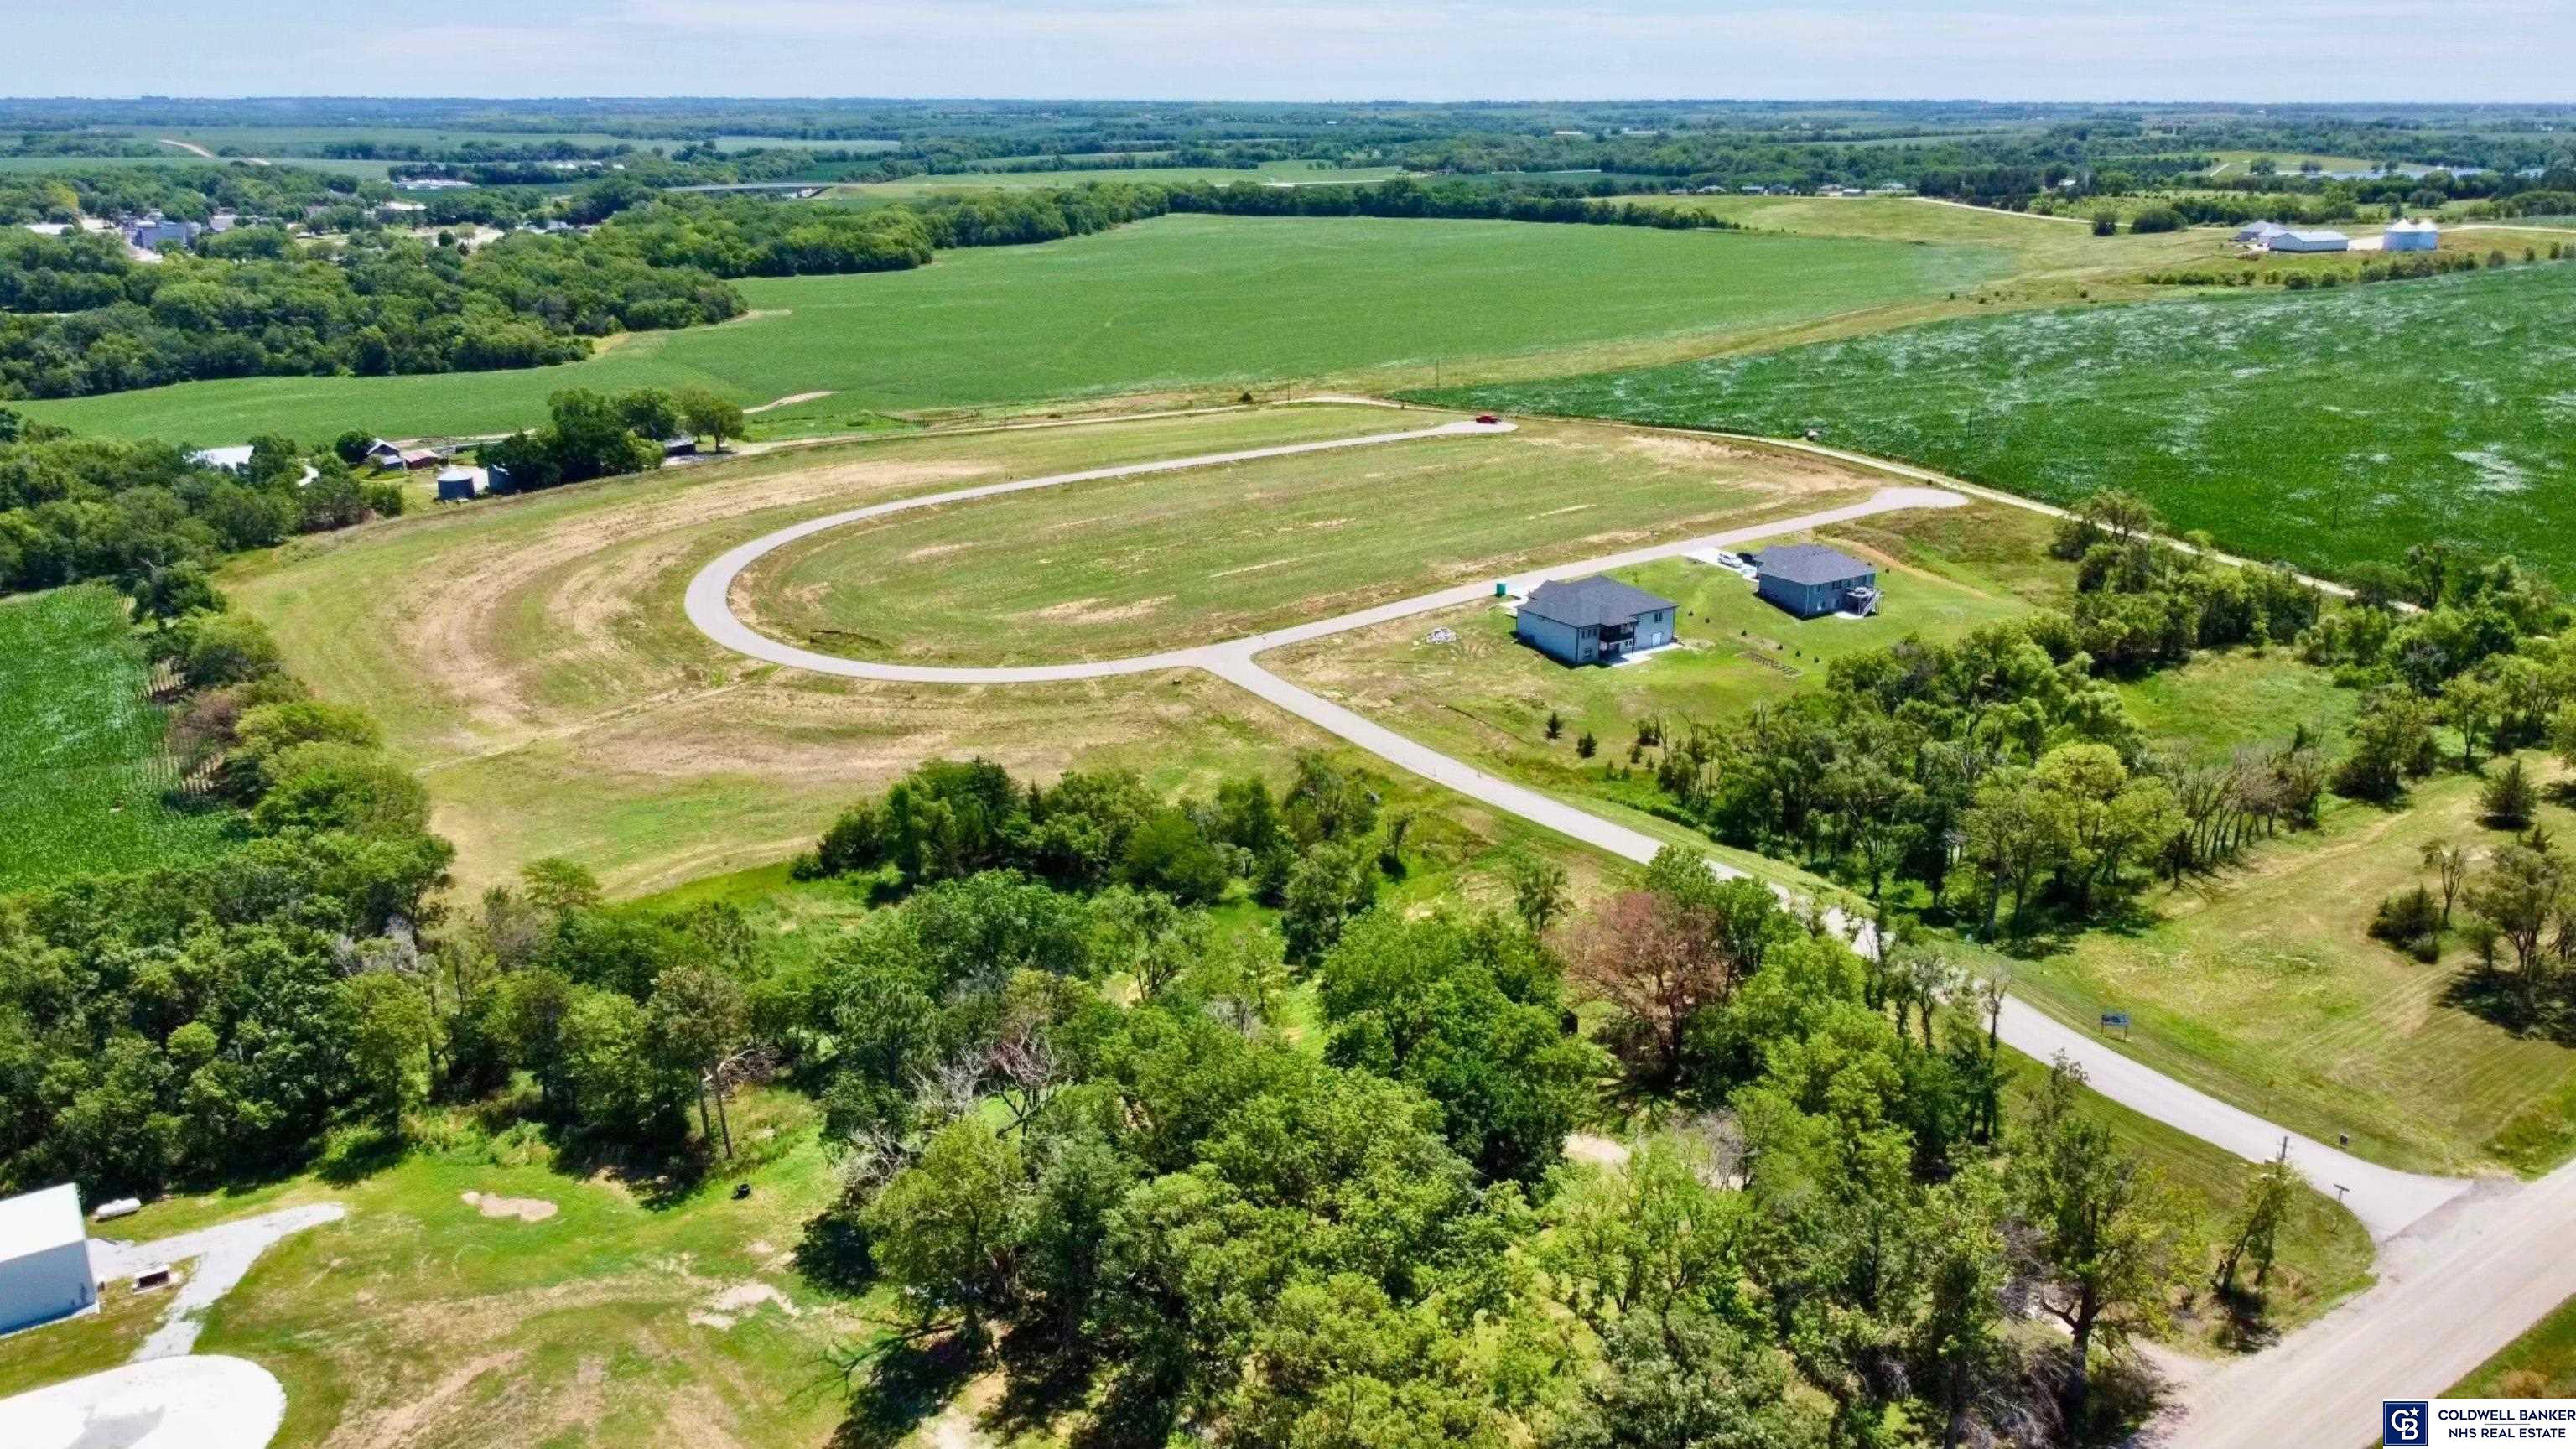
[1172, 303]
[82, 769]
[1133, 565]
[2325, 428]
[948, 183]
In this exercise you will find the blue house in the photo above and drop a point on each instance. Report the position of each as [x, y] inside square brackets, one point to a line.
[1593, 621]
[1809, 579]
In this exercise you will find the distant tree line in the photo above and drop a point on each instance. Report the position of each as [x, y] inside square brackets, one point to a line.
[149, 519]
[398, 306]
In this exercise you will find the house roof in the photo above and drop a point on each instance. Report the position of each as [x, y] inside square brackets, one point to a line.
[1599, 599]
[236, 456]
[36, 1222]
[1809, 563]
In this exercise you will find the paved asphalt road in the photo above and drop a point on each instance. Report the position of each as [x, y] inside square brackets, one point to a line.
[2463, 1267]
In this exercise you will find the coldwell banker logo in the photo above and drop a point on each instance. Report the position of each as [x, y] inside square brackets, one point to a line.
[2405, 1421]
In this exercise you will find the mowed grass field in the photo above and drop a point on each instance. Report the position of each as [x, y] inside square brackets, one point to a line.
[2260, 986]
[1170, 304]
[530, 660]
[82, 768]
[2325, 428]
[1127, 566]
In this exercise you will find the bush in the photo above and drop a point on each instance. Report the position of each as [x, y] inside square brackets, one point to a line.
[2411, 921]
[217, 649]
[2156, 219]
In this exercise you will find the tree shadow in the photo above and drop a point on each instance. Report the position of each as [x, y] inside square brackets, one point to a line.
[353, 1154]
[1043, 1375]
[834, 1254]
[901, 1385]
[2247, 1325]
[2496, 997]
[660, 1178]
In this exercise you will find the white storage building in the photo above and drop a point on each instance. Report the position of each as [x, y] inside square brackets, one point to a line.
[2311, 241]
[44, 1258]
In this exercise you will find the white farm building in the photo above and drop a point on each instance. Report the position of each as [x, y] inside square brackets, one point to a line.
[2411, 236]
[2311, 241]
[2259, 233]
[44, 1258]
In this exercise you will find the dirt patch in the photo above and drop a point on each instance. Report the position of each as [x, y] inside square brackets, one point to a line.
[742, 1298]
[1597, 1150]
[585, 575]
[789, 401]
[525, 1209]
[404, 1423]
[1087, 611]
[939, 550]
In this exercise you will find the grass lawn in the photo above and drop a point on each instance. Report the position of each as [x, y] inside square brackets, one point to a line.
[82, 768]
[1169, 304]
[2259, 986]
[2326, 428]
[416, 1320]
[1486, 698]
[2539, 1365]
[1129, 566]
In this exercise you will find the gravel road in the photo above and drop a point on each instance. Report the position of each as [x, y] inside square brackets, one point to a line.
[2463, 1266]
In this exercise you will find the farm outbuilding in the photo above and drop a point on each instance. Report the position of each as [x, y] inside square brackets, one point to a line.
[2411, 236]
[1809, 579]
[2311, 241]
[460, 484]
[44, 1258]
[1596, 620]
[2259, 233]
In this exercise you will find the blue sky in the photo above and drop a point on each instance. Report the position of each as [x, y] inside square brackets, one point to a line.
[2284, 50]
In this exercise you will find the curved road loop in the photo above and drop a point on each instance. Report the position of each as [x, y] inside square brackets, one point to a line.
[2462, 1266]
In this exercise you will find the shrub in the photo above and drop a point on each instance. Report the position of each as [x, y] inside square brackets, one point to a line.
[216, 649]
[2411, 921]
[2156, 219]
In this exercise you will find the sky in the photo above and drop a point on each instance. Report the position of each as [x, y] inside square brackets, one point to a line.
[2047, 50]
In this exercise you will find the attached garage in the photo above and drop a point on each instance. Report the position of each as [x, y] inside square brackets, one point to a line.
[44, 1258]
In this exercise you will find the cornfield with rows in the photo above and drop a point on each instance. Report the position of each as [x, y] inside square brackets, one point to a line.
[84, 773]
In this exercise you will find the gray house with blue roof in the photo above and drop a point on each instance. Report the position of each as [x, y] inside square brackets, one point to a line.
[1809, 579]
[1593, 621]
